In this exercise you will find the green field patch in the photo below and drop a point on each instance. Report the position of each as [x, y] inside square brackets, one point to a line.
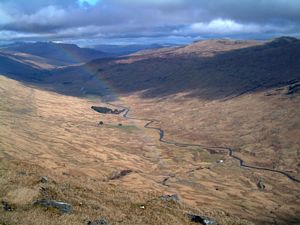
[127, 128]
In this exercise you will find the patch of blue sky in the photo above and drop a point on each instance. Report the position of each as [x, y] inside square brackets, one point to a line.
[87, 2]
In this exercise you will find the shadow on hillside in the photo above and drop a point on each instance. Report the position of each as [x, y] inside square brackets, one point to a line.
[223, 76]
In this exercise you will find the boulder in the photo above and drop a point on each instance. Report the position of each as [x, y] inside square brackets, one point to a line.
[97, 222]
[202, 220]
[293, 88]
[169, 198]
[61, 206]
[21, 196]
[7, 206]
[120, 174]
[261, 185]
[44, 180]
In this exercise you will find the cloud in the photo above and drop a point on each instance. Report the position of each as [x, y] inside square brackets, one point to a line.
[227, 26]
[220, 26]
[147, 18]
[4, 17]
[46, 16]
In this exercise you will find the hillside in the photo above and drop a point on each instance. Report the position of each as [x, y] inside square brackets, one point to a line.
[119, 50]
[45, 134]
[212, 69]
[215, 122]
[32, 60]
[19, 69]
[60, 53]
[224, 74]
[204, 48]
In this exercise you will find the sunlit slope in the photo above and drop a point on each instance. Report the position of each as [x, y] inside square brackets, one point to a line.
[47, 134]
[58, 53]
[60, 134]
[51, 129]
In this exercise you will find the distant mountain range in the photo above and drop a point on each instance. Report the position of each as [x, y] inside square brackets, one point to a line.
[60, 54]
[211, 69]
[128, 49]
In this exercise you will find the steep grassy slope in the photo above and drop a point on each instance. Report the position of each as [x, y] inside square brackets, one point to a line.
[221, 93]
[119, 50]
[204, 48]
[32, 60]
[46, 134]
[220, 76]
[217, 69]
[59, 53]
[18, 69]
[221, 70]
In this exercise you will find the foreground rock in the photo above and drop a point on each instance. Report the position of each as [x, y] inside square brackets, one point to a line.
[44, 180]
[120, 174]
[169, 198]
[98, 222]
[202, 220]
[7, 206]
[61, 206]
[261, 185]
[293, 88]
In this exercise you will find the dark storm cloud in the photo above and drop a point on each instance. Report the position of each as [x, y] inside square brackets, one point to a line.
[146, 18]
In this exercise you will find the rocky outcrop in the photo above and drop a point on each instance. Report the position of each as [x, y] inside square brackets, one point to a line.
[202, 220]
[293, 88]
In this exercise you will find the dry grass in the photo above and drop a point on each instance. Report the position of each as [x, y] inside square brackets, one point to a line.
[46, 134]
[264, 129]
[92, 199]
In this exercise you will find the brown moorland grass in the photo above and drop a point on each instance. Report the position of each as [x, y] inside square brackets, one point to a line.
[47, 134]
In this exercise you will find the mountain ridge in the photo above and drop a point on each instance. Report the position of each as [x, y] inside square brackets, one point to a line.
[211, 69]
[224, 74]
[62, 54]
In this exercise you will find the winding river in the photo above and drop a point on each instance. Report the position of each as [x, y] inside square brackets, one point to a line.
[229, 150]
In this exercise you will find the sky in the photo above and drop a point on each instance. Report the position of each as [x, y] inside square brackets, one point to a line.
[89, 22]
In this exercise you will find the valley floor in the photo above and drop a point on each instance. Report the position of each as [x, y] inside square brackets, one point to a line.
[110, 171]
